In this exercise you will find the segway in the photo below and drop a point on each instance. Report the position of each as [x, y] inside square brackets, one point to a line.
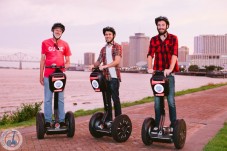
[160, 87]
[57, 82]
[120, 128]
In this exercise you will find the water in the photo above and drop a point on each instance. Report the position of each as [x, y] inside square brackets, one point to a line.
[22, 86]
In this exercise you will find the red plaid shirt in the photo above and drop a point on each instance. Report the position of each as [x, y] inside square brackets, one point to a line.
[163, 51]
[116, 51]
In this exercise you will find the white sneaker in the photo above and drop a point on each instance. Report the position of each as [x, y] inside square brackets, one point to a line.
[171, 129]
[155, 129]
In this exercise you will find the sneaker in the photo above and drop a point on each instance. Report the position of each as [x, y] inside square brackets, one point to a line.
[47, 125]
[155, 129]
[171, 129]
[63, 125]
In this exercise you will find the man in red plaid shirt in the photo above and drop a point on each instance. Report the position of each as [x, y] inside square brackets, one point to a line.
[163, 50]
[110, 56]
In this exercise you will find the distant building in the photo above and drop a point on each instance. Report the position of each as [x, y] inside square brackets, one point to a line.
[138, 48]
[183, 57]
[210, 50]
[125, 54]
[182, 54]
[210, 44]
[89, 58]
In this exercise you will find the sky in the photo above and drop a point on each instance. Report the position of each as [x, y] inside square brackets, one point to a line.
[25, 24]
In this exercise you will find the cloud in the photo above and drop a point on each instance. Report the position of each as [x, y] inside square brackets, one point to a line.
[26, 23]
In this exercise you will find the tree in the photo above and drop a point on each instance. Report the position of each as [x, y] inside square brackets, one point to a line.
[212, 68]
[193, 68]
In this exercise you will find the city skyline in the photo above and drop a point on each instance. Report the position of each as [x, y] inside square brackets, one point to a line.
[25, 27]
[210, 50]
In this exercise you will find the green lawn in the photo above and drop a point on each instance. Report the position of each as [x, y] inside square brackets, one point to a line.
[219, 142]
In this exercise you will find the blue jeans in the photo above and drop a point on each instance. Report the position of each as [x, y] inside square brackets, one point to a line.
[112, 91]
[48, 95]
[171, 103]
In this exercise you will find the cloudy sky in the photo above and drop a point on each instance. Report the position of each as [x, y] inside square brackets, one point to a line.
[26, 23]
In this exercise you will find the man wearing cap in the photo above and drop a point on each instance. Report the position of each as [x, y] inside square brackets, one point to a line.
[163, 51]
[110, 56]
[54, 51]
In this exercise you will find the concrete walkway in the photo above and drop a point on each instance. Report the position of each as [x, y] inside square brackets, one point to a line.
[204, 113]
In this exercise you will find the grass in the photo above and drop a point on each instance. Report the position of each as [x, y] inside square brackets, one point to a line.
[219, 142]
[202, 88]
[150, 99]
[29, 122]
[82, 112]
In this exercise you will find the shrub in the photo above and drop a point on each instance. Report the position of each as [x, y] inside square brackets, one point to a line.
[24, 113]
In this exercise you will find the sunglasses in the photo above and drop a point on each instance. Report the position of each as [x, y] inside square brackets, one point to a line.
[56, 46]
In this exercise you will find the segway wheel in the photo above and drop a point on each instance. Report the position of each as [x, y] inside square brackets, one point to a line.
[148, 125]
[40, 125]
[94, 123]
[179, 134]
[70, 122]
[121, 128]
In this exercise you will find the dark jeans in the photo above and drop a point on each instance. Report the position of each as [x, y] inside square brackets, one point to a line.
[171, 103]
[112, 92]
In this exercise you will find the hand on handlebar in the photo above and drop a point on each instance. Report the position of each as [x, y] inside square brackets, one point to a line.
[167, 72]
[103, 67]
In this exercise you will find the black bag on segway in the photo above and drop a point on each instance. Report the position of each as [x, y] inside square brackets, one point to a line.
[57, 81]
[160, 84]
[97, 80]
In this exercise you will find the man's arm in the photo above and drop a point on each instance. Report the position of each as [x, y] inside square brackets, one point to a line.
[149, 64]
[173, 58]
[172, 65]
[67, 62]
[173, 62]
[96, 64]
[99, 60]
[42, 65]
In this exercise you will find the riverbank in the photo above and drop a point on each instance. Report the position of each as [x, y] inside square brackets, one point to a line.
[22, 86]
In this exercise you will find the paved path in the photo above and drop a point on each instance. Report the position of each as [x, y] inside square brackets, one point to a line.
[204, 112]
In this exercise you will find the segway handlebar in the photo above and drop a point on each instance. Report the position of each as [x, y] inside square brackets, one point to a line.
[95, 69]
[54, 66]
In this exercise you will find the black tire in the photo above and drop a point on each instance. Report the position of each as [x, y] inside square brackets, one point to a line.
[179, 134]
[40, 125]
[121, 128]
[148, 125]
[70, 122]
[94, 123]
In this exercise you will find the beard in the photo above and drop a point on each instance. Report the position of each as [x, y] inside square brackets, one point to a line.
[162, 32]
[57, 36]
